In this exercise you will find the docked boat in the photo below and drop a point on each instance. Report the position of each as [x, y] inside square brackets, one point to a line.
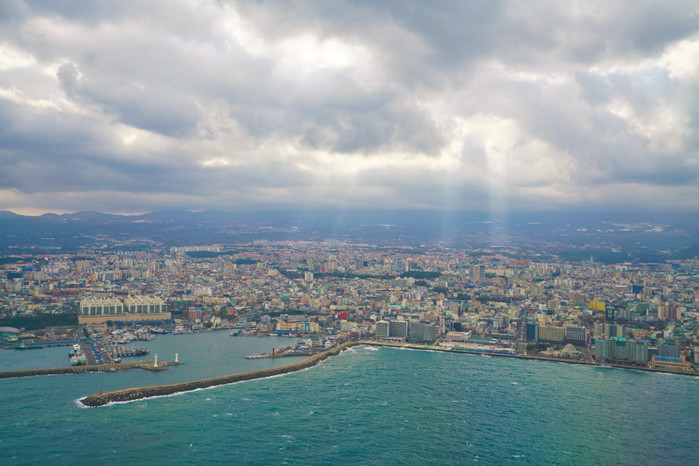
[77, 356]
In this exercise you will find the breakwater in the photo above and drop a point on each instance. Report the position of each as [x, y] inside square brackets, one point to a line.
[145, 365]
[137, 393]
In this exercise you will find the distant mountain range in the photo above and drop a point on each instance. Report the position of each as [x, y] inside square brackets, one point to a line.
[670, 235]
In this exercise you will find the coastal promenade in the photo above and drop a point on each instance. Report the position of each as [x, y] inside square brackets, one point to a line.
[145, 365]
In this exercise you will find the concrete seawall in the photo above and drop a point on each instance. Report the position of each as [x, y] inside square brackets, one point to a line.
[524, 356]
[145, 365]
[137, 393]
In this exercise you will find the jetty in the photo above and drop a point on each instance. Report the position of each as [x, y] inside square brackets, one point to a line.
[284, 352]
[137, 393]
[145, 365]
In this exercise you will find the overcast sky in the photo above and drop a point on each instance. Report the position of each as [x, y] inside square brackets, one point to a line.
[133, 106]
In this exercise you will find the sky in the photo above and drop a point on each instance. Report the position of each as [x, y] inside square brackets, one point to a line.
[136, 106]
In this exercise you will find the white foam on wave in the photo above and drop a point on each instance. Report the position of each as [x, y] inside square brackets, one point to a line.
[209, 388]
[199, 389]
[80, 404]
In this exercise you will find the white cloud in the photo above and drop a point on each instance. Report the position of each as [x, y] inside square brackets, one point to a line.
[681, 59]
[13, 58]
[209, 104]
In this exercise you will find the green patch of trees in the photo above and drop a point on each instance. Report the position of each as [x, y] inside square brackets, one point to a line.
[421, 275]
[40, 321]
[245, 261]
[12, 260]
[209, 254]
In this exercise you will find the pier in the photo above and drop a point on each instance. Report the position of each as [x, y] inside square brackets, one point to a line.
[284, 352]
[145, 365]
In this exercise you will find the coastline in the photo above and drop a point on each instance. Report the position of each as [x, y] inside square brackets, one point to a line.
[523, 356]
[137, 393]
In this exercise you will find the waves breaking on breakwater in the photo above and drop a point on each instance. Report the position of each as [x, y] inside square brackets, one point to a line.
[138, 393]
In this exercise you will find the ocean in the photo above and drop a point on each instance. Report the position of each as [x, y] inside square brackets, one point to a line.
[367, 406]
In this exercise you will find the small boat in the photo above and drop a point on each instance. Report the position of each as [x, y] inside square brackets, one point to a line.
[23, 347]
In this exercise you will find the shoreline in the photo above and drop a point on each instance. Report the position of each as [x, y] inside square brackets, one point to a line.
[145, 365]
[524, 356]
[136, 393]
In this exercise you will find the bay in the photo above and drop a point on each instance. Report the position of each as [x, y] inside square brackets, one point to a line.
[366, 406]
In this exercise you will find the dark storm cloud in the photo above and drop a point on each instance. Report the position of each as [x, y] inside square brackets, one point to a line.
[161, 109]
[449, 104]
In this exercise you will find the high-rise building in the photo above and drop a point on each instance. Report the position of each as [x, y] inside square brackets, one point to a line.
[194, 314]
[532, 331]
[398, 329]
[381, 329]
[619, 349]
[637, 351]
[608, 330]
[99, 310]
[604, 349]
[100, 306]
[476, 273]
[669, 349]
[669, 311]
[551, 333]
[422, 331]
[577, 335]
[144, 305]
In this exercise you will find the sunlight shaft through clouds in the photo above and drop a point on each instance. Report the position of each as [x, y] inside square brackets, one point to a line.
[463, 105]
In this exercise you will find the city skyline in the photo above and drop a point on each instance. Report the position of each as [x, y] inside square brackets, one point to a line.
[455, 106]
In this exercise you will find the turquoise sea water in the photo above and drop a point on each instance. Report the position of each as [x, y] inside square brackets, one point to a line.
[366, 406]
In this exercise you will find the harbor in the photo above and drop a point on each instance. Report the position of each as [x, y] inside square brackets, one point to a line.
[138, 393]
[331, 387]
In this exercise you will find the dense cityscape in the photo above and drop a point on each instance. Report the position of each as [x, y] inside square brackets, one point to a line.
[349, 232]
[492, 300]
